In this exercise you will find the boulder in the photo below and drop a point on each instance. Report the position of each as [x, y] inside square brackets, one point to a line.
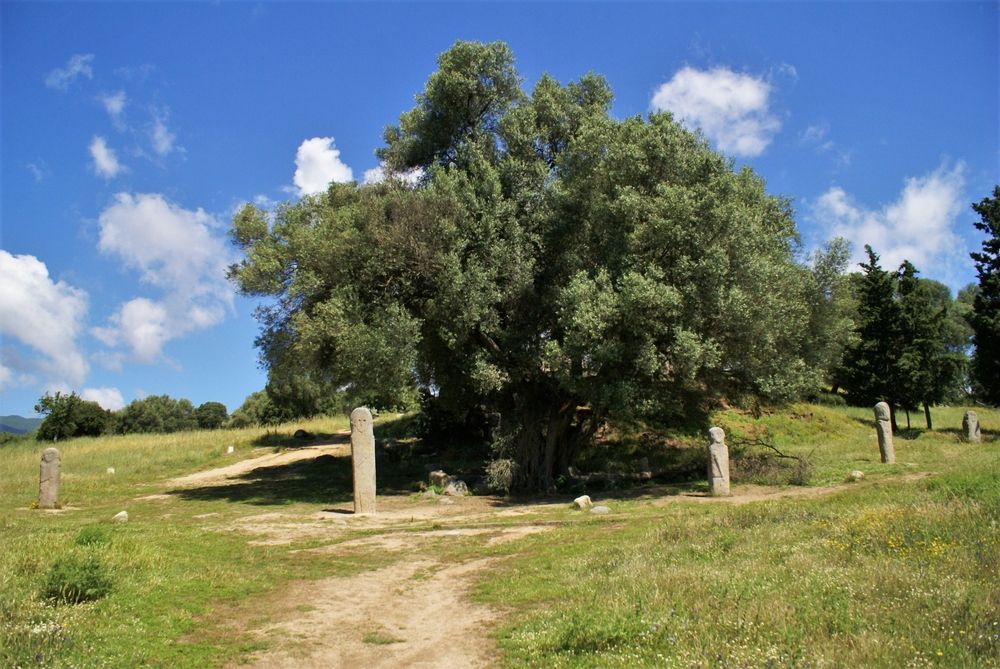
[120, 517]
[456, 487]
[600, 510]
[438, 477]
[583, 502]
[855, 476]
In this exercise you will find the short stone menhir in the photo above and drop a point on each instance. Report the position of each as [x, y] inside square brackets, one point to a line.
[363, 460]
[970, 428]
[718, 463]
[883, 427]
[48, 479]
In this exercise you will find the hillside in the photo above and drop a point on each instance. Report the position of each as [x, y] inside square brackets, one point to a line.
[19, 424]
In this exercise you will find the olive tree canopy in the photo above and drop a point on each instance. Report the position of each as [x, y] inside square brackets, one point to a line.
[551, 268]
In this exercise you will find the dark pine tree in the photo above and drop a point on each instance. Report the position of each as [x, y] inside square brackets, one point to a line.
[985, 318]
[870, 372]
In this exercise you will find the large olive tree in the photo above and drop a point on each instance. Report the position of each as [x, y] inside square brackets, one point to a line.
[551, 268]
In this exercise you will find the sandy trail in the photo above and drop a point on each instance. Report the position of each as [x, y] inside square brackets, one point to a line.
[222, 475]
[397, 616]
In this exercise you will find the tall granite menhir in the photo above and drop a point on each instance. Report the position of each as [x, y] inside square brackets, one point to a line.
[363, 460]
[48, 479]
[883, 426]
[718, 463]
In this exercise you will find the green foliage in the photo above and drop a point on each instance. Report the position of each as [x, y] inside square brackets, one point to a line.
[869, 373]
[258, 409]
[909, 343]
[930, 365]
[77, 578]
[157, 413]
[211, 415]
[831, 309]
[69, 416]
[554, 268]
[985, 318]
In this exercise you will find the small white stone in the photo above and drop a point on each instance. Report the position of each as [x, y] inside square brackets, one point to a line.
[600, 510]
[583, 502]
[111, 470]
[120, 517]
[856, 475]
[230, 450]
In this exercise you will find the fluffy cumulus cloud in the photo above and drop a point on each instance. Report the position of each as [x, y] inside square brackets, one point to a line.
[77, 66]
[176, 251]
[918, 226]
[44, 318]
[731, 108]
[317, 163]
[105, 159]
[109, 398]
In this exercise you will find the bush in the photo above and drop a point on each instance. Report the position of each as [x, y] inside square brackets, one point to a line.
[500, 474]
[11, 437]
[75, 578]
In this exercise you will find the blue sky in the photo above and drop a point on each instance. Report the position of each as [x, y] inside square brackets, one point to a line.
[131, 133]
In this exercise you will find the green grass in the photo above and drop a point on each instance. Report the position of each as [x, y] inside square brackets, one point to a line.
[892, 572]
[898, 570]
[165, 569]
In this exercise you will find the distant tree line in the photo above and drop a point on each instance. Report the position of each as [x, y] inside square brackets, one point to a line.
[69, 415]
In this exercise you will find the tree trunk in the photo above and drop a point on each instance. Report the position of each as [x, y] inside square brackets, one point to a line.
[545, 442]
[892, 415]
[927, 416]
[907, 419]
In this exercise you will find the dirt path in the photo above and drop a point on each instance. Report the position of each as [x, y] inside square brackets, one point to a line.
[410, 614]
[222, 474]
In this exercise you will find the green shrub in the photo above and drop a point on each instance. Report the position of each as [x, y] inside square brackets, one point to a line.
[93, 535]
[74, 578]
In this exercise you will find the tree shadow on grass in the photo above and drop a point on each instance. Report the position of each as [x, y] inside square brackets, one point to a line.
[325, 479]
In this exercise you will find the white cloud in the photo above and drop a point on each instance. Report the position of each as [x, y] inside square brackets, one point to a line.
[105, 160]
[161, 137]
[175, 250]
[109, 398]
[731, 108]
[918, 226]
[6, 375]
[114, 104]
[77, 66]
[378, 175]
[317, 163]
[43, 315]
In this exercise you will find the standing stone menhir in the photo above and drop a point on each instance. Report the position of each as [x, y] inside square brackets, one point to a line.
[48, 479]
[970, 428]
[718, 463]
[883, 426]
[363, 460]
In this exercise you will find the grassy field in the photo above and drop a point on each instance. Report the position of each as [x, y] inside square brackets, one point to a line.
[898, 570]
